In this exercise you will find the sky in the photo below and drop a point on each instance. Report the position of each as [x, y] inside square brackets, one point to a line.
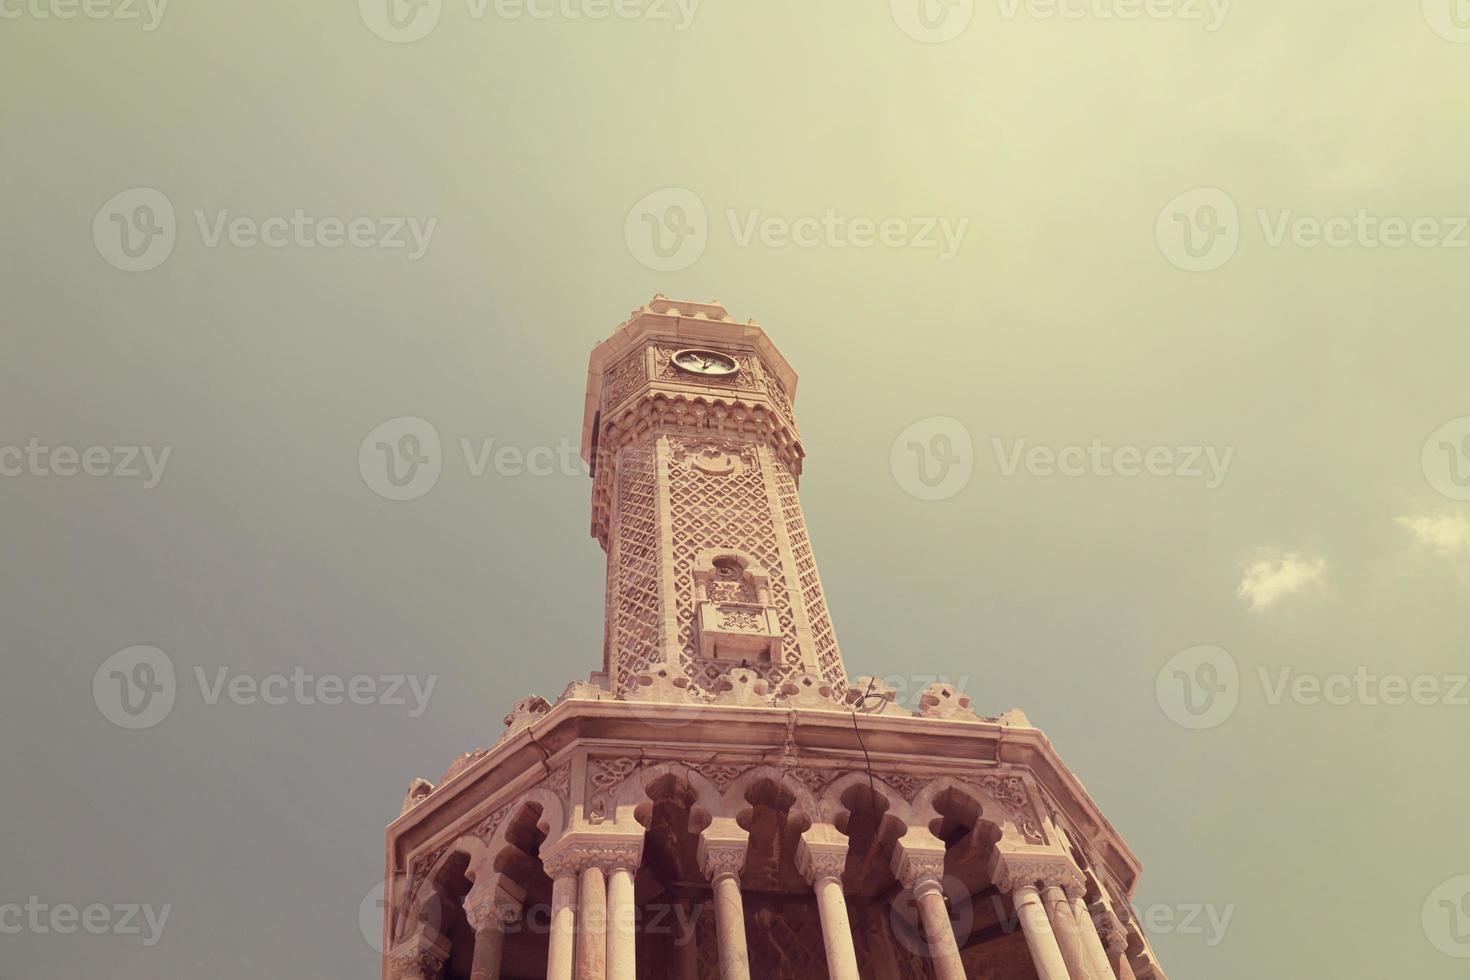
[1132, 342]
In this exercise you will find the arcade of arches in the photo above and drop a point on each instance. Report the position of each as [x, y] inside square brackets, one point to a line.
[752, 873]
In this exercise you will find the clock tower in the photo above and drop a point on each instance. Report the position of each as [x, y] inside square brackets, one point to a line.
[696, 456]
[718, 801]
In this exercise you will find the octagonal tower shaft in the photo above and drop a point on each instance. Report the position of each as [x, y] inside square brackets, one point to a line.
[695, 457]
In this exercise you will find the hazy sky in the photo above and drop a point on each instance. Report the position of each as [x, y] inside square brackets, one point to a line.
[1233, 232]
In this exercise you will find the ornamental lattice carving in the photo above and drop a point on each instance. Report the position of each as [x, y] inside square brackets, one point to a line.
[635, 626]
[829, 659]
[725, 513]
[623, 379]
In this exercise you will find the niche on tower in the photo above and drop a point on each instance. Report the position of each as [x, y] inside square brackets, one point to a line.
[734, 619]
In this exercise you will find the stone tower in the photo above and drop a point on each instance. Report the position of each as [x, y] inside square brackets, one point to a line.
[696, 455]
[719, 801]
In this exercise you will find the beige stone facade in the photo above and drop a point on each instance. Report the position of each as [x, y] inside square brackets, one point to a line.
[719, 800]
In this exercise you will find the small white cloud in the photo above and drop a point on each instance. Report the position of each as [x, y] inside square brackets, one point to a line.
[1274, 574]
[1448, 534]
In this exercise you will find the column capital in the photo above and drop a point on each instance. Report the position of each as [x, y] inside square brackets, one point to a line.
[1113, 935]
[499, 903]
[817, 860]
[721, 857]
[914, 865]
[580, 850]
[418, 958]
[1012, 871]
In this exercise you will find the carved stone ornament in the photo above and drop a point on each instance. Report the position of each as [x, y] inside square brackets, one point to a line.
[821, 860]
[495, 907]
[418, 791]
[661, 683]
[807, 691]
[1011, 792]
[719, 860]
[912, 866]
[416, 963]
[604, 776]
[1016, 718]
[943, 700]
[870, 696]
[741, 685]
[527, 711]
[1041, 871]
[582, 691]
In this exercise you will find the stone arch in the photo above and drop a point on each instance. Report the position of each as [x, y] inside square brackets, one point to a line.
[989, 810]
[734, 800]
[472, 849]
[433, 905]
[635, 792]
[831, 806]
[551, 821]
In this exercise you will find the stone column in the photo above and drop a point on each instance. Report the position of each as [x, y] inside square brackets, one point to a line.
[592, 924]
[1097, 955]
[821, 864]
[686, 948]
[489, 913]
[922, 870]
[562, 870]
[622, 956]
[1058, 901]
[1046, 955]
[722, 862]
[1116, 937]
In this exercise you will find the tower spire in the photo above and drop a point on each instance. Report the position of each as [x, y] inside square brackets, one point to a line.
[695, 455]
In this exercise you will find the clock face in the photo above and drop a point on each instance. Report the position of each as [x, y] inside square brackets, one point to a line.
[709, 363]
